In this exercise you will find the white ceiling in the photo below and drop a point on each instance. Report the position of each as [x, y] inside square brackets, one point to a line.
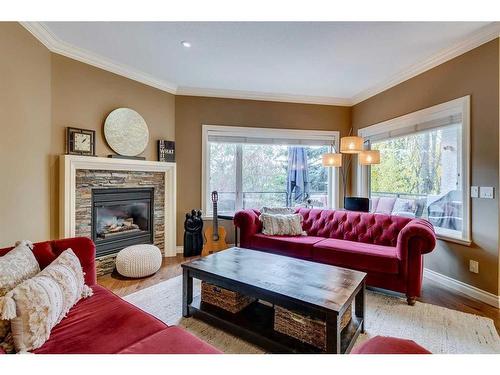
[329, 62]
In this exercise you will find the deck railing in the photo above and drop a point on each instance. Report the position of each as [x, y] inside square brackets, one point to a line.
[397, 195]
[252, 199]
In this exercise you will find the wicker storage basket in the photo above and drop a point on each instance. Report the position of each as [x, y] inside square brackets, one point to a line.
[304, 328]
[225, 299]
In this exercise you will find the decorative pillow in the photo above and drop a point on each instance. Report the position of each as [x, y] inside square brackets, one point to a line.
[282, 225]
[373, 204]
[385, 205]
[16, 266]
[277, 210]
[406, 206]
[36, 305]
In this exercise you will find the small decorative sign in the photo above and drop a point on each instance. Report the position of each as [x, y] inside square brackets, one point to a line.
[166, 151]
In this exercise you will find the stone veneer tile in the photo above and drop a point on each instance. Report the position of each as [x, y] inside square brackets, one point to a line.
[87, 179]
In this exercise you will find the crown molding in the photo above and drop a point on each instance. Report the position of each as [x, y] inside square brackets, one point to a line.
[483, 35]
[56, 45]
[254, 95]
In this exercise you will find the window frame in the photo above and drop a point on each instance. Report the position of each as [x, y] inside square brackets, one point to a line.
[452, 107]
[333, 136]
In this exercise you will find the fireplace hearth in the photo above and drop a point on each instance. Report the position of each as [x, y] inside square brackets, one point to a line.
[121, 217]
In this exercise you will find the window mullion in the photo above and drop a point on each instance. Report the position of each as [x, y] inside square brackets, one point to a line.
[239, 177]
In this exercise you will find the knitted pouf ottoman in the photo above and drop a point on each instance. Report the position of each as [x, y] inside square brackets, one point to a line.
[138, 260]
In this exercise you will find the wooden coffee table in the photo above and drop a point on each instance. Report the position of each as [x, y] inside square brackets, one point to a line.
[314, 289]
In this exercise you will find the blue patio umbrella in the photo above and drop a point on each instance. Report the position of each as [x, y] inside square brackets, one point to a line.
[297, 184]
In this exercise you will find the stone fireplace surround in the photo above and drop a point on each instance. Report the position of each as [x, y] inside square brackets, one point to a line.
[79, 174]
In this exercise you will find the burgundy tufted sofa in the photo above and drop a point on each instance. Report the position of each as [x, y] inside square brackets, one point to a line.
[105, 323]
[388, 248]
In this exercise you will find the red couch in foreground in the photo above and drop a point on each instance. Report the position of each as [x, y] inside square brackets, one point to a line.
[104, 323]
[389, 345]
[388, 248]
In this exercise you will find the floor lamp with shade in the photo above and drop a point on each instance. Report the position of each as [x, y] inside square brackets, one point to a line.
[351, 145]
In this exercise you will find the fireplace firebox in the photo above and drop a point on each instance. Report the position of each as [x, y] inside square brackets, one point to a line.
[122, 217]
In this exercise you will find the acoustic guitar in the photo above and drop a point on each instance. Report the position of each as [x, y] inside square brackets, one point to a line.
[215, 237]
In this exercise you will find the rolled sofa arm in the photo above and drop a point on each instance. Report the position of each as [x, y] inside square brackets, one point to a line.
[84, 249]
[247, 221]
[417, 229]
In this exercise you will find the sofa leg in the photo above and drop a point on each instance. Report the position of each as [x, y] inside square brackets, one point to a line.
[411, 300]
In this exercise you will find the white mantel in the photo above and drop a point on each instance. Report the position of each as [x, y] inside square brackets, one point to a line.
[69, 164]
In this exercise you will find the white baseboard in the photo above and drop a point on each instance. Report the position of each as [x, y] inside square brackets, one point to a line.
[468, 290]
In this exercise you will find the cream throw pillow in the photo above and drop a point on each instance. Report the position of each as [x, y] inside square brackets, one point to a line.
[38, 304]
[277, 210]
[16, 266]
[282, 225]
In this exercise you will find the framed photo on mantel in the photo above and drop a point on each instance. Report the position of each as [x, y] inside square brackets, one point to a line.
[166, 151]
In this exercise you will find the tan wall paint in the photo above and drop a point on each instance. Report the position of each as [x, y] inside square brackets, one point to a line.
[192, 112]
[25, 135]
[474, 73]
[42, 93]
[82, 96]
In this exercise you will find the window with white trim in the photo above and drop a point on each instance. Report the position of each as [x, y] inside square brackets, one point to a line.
[256, 167]
[424, 168]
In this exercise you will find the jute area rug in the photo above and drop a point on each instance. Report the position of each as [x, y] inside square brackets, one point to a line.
[440, 330]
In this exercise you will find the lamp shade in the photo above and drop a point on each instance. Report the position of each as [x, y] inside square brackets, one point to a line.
[332, 160]
[369, 157]
[351, 145]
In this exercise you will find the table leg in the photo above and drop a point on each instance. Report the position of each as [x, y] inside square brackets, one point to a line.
[332, 333]
[187, 292]
[359, 306]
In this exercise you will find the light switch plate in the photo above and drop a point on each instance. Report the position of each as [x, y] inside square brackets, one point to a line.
[486, 192]
[474, 192]
[473, 266]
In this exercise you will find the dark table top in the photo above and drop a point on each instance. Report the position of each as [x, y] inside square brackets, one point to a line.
[321, 285]
[227, 216]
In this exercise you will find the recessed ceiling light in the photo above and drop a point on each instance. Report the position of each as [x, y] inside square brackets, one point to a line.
[186, 44]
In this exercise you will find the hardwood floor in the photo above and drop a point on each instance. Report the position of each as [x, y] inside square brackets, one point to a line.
[171, 267]
[432, 293]
[435, 294]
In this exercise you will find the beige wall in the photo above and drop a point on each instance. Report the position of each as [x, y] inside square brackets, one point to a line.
[82, 96]
[474, 73]
[192, 112]
[40, 95]
[25, 134]
[79, 95]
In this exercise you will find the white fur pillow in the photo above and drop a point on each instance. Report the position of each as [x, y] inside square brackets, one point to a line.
[282, 225]
[38, 304]
[16, 266]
